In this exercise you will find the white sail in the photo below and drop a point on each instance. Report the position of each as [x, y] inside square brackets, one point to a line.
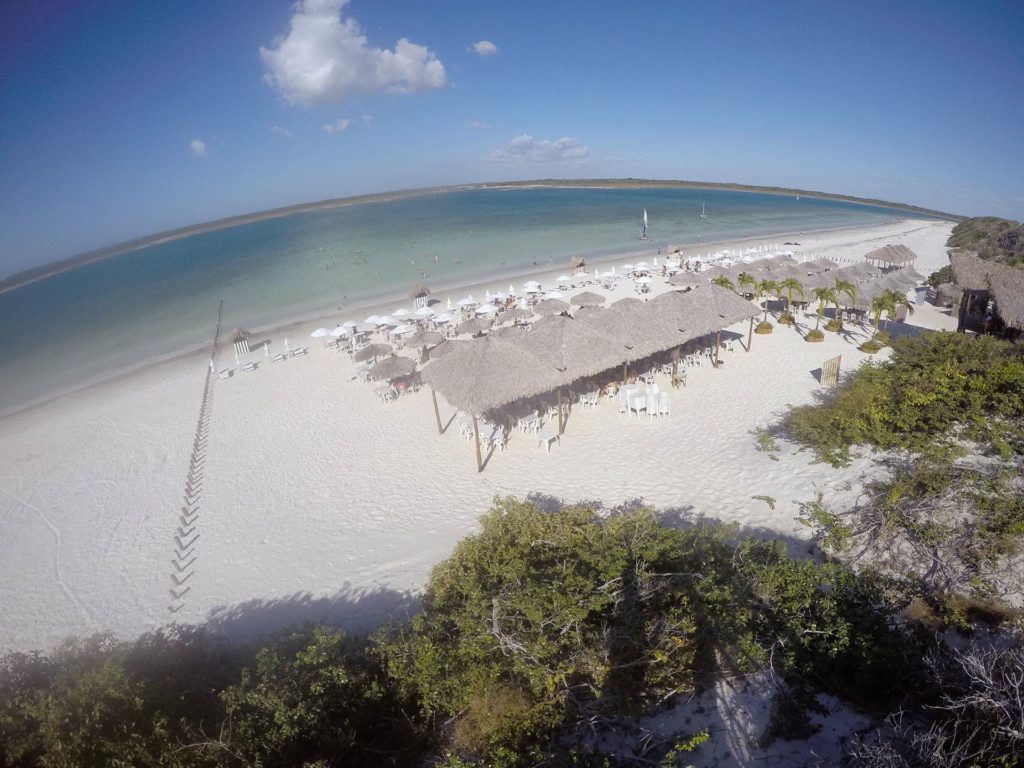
[702, 209]
[643, 234]
[645, 218]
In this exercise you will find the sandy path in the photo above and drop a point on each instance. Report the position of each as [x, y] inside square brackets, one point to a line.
[318, 500]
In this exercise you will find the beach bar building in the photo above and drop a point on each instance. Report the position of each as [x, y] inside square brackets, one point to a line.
[992, 296]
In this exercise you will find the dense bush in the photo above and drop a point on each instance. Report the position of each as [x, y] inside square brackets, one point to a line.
[935, 387]
[540, 637]
[991, 238]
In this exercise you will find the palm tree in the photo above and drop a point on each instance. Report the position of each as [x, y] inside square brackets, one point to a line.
[842, 286]
[723, 281]
[745, 278]
[824, 295]
[766, 288]
[789, 285]
[889, 302]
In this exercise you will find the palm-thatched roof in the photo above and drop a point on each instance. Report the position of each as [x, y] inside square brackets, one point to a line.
[588, 299]
[488, 373]
[892, 254]
[948, 291]
[372, 352]
[861, 271]
[425, 339]
[392, 368]
[819, 265]
[1004, 283]
[474, 325]
[687, 280]
[550, 307]
[572, 347]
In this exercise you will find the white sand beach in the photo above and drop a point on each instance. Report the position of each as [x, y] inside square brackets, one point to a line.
[316, 500]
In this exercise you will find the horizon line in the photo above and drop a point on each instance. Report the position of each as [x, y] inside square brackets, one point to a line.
[33, 274]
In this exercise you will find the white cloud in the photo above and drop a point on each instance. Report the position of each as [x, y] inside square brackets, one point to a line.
[325, 59]
[282, 132]
[198, 147]
[338, 125]
[483, 48]
[526, 149]
[477, 125]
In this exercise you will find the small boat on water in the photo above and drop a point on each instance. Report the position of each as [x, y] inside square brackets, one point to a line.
[643, 233]
[703, 206]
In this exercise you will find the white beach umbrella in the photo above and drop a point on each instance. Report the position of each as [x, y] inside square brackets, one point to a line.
[511, 290]
[531, 287]
[596, 274]
[449, 305]
[319, 333]
[372, 320]
[340, 331]
[487, 295]
[403, 329]
[607, 274]
[385, 320]
[469, 301]
[563, 279]
[555, 295]
[643, 280]
[486, 309]
[444, 317]
[401, 312]
[424, 312]
[498, 296]
[627, 267]
[655, 261]
[287, 346]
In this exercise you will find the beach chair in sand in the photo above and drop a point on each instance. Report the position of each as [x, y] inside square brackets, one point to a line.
[278, 358]
[249, 367]
[299, 351]
[225, 373]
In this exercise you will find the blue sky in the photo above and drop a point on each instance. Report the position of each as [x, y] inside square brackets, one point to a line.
[119, 118]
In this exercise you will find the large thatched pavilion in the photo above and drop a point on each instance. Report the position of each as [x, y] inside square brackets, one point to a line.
[891, 256]
[494, 371]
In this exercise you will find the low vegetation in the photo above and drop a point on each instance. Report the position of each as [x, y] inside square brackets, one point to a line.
[937, 389]
[991, 238]
[541, 641]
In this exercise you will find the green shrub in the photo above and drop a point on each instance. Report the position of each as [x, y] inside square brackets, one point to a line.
[815, 335]
[934, 387]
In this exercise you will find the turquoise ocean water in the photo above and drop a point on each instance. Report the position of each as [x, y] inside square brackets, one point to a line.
[99, 319]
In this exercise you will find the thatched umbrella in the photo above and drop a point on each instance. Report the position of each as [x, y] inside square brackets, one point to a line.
[487, 373]
[948, 292]
[820, 265]
[425, 339]
[588, 299]
[392, 368]
[474, 325]
[508, 331]
[518, 313]
[550, 307]
[571, 347]
[687, 280]
[585, 312]
[626, 322]
[372, 352]
[711, 308]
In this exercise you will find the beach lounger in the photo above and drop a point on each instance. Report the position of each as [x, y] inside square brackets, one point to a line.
[249, 367]
[225, 373]
[278, 358]
[299, 351]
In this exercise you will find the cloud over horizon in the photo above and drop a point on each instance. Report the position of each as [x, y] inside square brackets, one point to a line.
[483, 48]
[325, 59]
[197, 147]
[339, 125]
[526, 149]
[283, 132]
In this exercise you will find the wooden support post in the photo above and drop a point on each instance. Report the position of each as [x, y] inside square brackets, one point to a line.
[561, 427]
[718, 341]
[625, 372]
[476, 439]
[750, 333]
[437, 413]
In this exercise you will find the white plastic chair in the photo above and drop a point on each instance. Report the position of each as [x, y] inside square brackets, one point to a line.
[664, 404]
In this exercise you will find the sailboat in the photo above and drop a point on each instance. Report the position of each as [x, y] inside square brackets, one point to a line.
[702, 214]
[643, 234]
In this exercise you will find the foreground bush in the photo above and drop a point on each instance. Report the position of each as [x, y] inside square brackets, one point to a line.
[540, 637]
[935, 387]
